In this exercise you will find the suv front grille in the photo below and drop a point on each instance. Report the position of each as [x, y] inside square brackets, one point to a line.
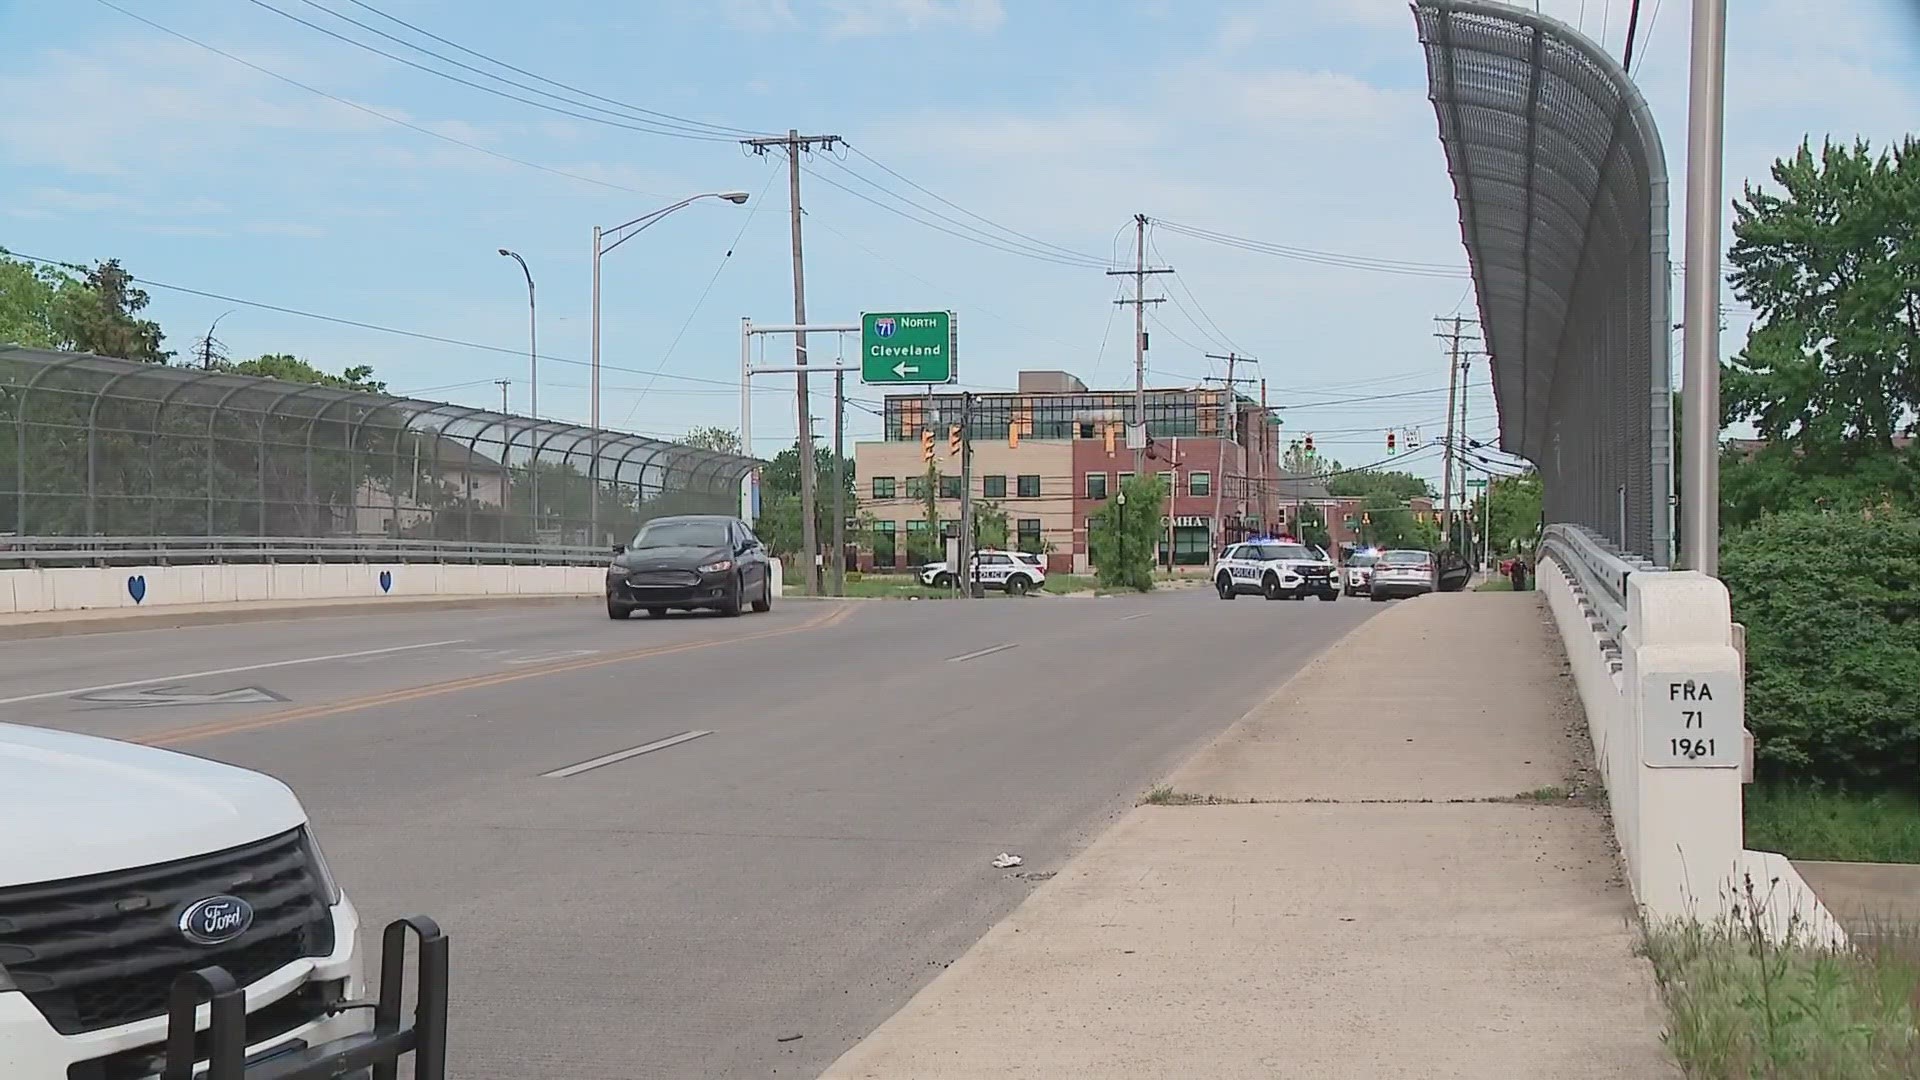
[103, 950]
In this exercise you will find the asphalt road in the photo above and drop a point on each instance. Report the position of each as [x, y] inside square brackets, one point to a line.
[799, 870]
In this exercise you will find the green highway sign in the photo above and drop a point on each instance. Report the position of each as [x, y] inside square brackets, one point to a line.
[908, 347]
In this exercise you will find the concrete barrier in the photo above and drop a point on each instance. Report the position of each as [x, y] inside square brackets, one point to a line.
[143, 587]
[1666, 707]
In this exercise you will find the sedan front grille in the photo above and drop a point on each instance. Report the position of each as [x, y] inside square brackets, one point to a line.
[676, 579]
[99, 951]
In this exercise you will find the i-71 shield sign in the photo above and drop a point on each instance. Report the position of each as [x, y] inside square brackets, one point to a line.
[907, 347]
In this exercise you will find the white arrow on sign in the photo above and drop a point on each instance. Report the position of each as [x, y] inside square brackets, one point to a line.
[904, 369]
[161, 696]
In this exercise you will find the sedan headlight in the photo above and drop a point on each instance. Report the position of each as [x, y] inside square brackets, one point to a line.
[717, 567]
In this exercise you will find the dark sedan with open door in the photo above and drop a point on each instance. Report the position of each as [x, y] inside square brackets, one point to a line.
[687, 562]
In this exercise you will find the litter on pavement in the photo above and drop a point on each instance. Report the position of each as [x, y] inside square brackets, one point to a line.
[1006, 861]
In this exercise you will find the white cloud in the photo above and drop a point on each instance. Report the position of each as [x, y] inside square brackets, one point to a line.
[869, 18]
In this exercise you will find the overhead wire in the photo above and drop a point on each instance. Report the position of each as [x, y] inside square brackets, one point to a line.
[978, 217]
[1322, 258]
[337, 99]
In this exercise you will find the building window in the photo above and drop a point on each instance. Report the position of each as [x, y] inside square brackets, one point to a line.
[1097, 486]
[1027, 532]
[1199, 483]
[1166, 483]
[916, 487]
[1191, 545]
[883, 487]
[1120, 479]
[993, 487]
[1030, 486]
[884, 554]
[950, 487]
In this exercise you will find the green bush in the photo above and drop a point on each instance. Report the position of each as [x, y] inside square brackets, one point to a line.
[1831, 603]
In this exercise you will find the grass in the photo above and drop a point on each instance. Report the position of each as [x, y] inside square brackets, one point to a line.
[1496, 584]
[1741, 1005]
[1549, 794]
[1166, 796]
[1803, 821]
[1068, 583]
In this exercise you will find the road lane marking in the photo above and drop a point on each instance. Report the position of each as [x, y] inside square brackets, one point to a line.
[1141, 615]
[196, 732]
[73, 692]
[989, 651]
[621, 755]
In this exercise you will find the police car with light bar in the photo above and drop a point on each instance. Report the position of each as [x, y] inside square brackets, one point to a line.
[1282, 569]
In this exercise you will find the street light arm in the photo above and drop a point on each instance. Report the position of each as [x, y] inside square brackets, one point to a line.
[646, 220]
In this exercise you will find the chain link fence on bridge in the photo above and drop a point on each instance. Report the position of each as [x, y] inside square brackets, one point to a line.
[104, 447]
[1562, 187]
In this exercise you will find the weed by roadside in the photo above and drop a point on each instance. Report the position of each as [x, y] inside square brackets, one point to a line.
[1496, 584]
[1803, 821]
[1166, 796]
[1743, 1006]
[1552, 793]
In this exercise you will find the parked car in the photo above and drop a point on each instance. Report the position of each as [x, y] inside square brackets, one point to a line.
[1275, 569]
[1358, 571]
[1006, 571]
[1402, 573]
[687, 562]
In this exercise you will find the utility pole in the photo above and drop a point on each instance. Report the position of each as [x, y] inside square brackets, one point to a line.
[1466, 366]
[1700, 348]
[839, 483]
[503, 384]
[1233, 440]
[964, 549]
[1140, 301]
[1453, 338]
[796, 144]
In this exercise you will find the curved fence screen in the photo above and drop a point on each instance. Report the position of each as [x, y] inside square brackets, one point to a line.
[1562, 187]
[91, 446]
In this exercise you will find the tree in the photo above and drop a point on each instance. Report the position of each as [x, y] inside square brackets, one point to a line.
[725, 441]
[928, 545]
[1299, 461]
[1360, 482]
[1511, 508]
[989, 525]
[288, 368]
[1388, 524]
[1122, 539]
[30, 302]
[1313, 527]
[102, 318]
[781, 477]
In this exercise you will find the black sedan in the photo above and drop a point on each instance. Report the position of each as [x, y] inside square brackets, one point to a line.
[692, 561]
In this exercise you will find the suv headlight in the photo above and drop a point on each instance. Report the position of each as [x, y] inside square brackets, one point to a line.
[320, 869]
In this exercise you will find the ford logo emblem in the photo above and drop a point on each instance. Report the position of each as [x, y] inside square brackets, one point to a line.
[215, 919]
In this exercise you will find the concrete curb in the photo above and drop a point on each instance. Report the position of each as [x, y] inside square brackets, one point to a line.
[78, 623]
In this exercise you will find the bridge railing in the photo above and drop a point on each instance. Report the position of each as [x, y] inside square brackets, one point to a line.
[1598, 572]
[44, 552]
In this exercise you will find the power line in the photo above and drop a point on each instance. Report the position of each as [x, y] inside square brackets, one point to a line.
[717, 128]
[376, 327]
[1323, 258]
[371, 111]
[976, 237]
[646, 128]
[989, 221]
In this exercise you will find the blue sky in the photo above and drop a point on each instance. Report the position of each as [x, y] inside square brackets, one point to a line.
[1298, 122]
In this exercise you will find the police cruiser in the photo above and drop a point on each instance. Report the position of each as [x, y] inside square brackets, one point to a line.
[1015, 573]
[1282, 569]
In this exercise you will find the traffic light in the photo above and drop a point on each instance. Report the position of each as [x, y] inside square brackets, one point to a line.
[1013, 435]
[926, 446]
[1309, 442]
[1390, 442]
[953, 440]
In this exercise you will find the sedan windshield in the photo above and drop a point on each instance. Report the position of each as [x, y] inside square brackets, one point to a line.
[700, 534]
[1405, 558]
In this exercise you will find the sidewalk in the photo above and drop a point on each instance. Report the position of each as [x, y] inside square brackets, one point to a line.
[1363, 913]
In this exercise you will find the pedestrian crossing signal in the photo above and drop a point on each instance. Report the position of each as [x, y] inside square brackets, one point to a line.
[926, 446]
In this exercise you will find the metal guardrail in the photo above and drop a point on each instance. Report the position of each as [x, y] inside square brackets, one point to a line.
[34, 552]
[1600, 571]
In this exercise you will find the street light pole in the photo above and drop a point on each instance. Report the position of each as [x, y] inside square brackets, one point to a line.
[1700, 381]
[627, 230]
[533, 399]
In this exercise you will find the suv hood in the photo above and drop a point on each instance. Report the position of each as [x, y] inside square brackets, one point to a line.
[78, 805]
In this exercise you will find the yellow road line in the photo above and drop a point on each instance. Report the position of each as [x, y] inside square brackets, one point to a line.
[196, 732]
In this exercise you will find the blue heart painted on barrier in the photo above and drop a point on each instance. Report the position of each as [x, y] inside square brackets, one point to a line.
[137, 587]
[386, 580]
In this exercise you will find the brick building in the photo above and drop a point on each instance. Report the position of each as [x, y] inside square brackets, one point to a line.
[1052, 452]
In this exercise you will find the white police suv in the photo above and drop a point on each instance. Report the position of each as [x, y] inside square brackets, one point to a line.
[1008, 571]
[1276, 569]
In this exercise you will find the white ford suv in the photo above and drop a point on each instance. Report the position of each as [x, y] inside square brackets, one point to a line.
[125, 868]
